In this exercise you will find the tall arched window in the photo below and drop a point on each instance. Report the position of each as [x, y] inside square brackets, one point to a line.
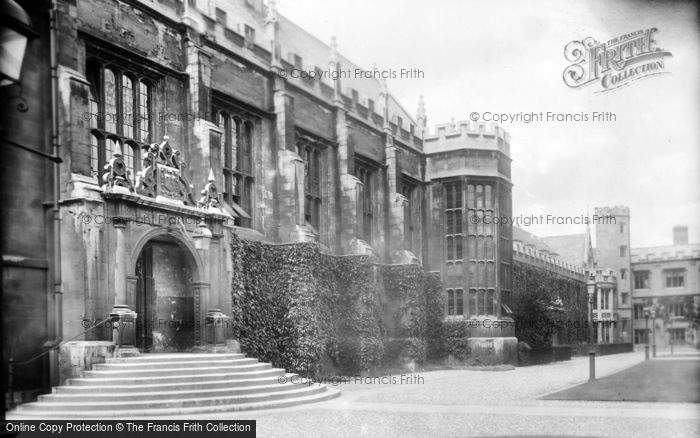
[453, 221]
[365, 174]
[245, 147]
[120, 109]
[128, 110]
[110, 99]
[455, 302]
[311, 153]
[237, 145]
[481, 249]
[144, 112]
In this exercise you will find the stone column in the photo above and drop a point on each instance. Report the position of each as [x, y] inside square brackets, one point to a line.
[397, 201]
[124, 319]
[131, 283]
[120, 263]
[201, 298]
[289, 199]
[397, 207]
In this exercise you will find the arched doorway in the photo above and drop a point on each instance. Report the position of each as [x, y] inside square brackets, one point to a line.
[165, 301]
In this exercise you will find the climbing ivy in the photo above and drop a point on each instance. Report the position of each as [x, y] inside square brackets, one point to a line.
[299, 309]
[546, 303]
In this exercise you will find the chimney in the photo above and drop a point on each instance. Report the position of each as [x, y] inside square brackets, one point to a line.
[680, 235]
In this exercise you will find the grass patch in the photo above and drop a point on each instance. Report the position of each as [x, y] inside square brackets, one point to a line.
[650, 381]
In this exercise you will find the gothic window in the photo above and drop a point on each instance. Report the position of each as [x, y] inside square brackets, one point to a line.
[365, 175]
[481, 249]
[237, 144]
[311, 153]
[119, 113]
[407, 190]
[455, 302]
[453, 221]
[675, 278]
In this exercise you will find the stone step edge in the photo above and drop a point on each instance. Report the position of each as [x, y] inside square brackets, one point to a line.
[248, 360]
[167, 356]
[173, 370]
[164, 386]
[182, 392]
[156, 378]
[329, 394]
[116, 405]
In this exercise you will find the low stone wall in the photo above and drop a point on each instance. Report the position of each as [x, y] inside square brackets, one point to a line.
[537, 356]
[603, 349]
[78, 356]
[484, 351]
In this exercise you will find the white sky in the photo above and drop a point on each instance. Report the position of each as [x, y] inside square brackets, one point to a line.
[507, 57]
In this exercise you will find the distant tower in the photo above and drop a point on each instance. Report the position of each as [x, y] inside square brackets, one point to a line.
[612, 230]
[421, 118]
[680, 235]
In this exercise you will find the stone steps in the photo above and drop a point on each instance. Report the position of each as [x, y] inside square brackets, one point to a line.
[158, 384]
[125, 366]
[158, 387]
[177, 378]
[168, 357]
[138, 372]
[99, 397]
[153, 413]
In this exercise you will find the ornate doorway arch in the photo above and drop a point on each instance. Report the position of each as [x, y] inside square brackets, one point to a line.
[166, 294]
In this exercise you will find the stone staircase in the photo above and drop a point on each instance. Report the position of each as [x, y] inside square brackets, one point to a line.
[172, 384]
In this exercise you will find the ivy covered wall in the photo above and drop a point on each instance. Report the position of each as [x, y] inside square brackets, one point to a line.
[548, 308]
[314, 313]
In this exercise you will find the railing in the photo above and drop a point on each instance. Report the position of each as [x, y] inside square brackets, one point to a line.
[12, 364]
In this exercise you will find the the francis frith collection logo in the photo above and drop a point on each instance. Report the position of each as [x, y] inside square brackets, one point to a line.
[615, 63]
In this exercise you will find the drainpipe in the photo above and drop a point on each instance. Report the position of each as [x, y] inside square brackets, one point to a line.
[56, 144]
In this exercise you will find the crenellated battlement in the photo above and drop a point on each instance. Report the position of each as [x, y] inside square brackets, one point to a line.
[467, 134]
[616, 211]
[467, 127]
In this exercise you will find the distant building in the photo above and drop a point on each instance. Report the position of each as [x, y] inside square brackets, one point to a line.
[576, 249]
[667, 276]
[609, 262]
[613, 253]
[531, 257]
[532, 250]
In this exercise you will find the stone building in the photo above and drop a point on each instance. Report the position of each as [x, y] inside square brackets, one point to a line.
[613, 253]
[667, 278]
[532, 250]
[179, 122]
[534, 261]
[609, 263]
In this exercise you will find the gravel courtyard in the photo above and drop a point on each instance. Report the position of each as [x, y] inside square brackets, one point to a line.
[481, 403]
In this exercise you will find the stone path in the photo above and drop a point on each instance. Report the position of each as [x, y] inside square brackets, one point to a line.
[484, 403]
